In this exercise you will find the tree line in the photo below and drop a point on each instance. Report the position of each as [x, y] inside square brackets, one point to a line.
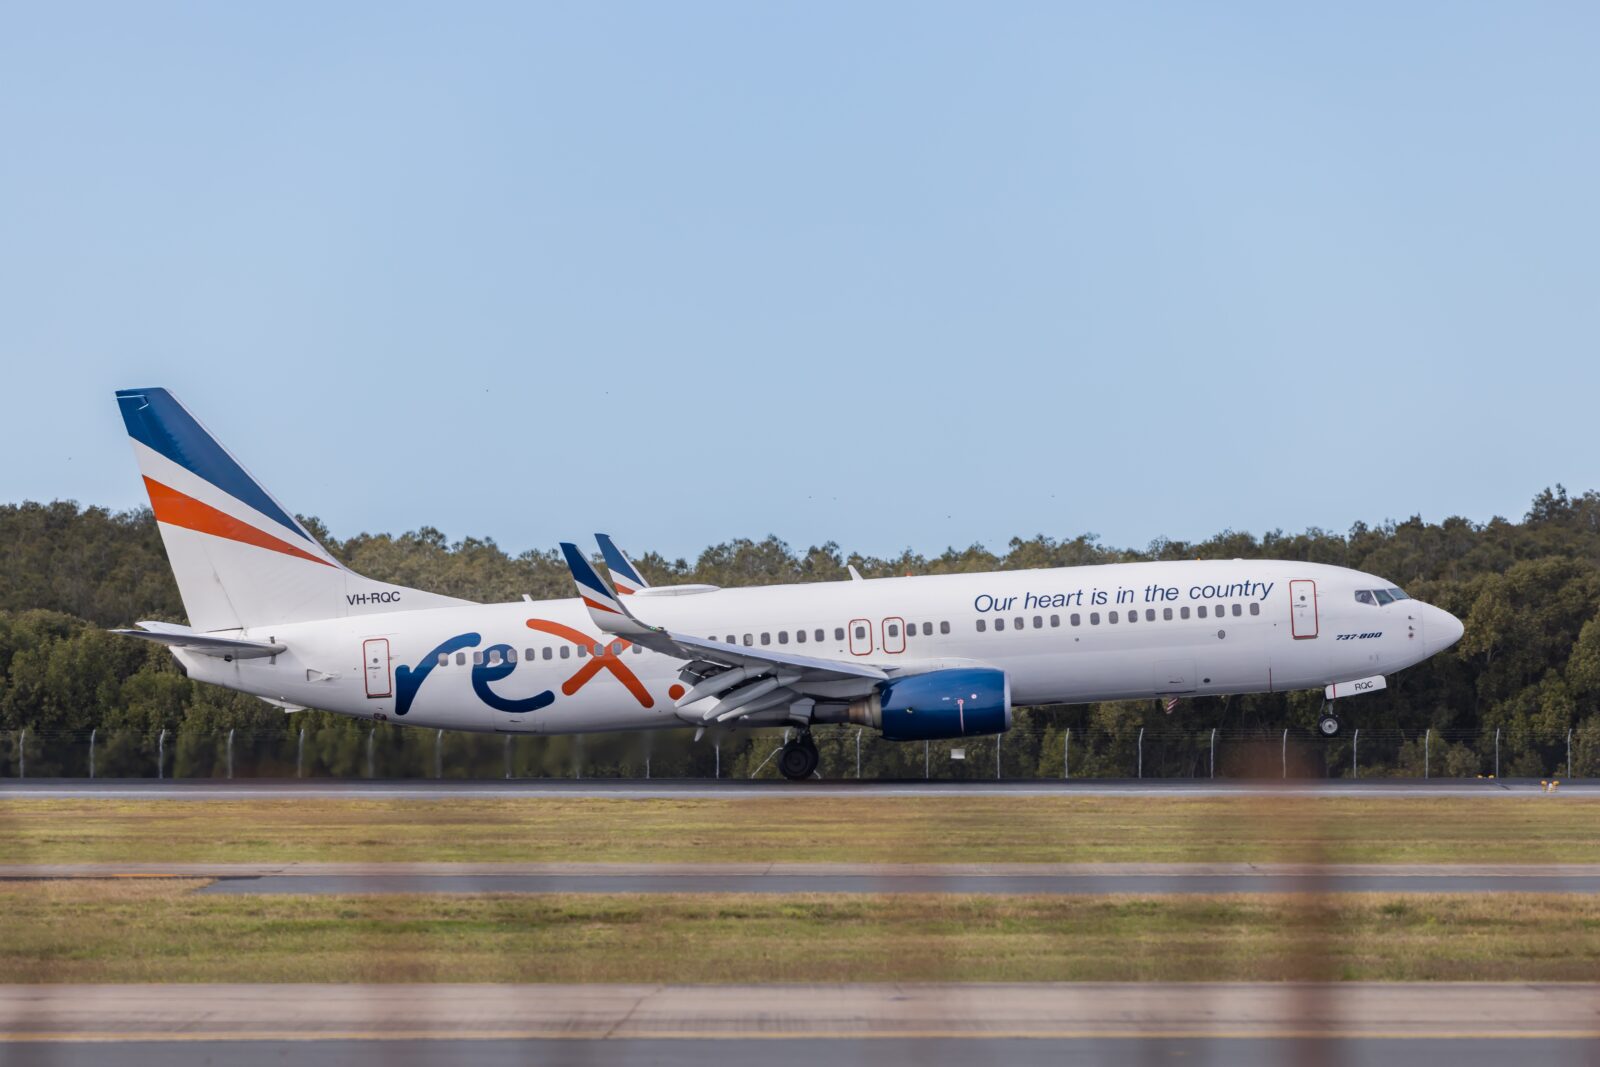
[1526, 674]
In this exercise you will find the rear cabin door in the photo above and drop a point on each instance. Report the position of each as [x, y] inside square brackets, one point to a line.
[894, 634]
[1303, 608]
[375, 655]
[860, 637]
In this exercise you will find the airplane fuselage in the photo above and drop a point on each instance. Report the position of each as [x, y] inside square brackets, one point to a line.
[1063, 636]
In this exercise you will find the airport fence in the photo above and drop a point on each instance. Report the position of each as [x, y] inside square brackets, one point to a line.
[1033, 749]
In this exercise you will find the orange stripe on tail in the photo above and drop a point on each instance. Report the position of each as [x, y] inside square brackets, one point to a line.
[177, 509]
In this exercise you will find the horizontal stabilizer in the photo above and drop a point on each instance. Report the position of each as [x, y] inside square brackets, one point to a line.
[165, 633]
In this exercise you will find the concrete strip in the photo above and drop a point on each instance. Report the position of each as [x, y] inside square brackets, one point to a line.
[632, 789]
[1035, 1011]
[295, 869]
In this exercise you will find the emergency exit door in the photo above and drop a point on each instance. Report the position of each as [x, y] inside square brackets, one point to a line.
[375, 655]
[1303, 608]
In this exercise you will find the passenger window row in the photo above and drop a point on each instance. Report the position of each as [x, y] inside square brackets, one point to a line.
[494, 658]
[1020, 622]
[891, 629]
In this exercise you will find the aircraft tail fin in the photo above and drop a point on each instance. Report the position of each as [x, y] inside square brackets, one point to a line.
[240, 558]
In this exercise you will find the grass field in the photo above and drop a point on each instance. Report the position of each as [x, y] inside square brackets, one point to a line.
[162, 931]
[954, 829]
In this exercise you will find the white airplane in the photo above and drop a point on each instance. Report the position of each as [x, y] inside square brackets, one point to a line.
[273, 614]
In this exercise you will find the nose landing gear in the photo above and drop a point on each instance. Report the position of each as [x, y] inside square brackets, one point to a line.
[799, 758]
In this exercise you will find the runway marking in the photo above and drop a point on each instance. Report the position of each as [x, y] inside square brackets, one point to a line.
[1146, 1033]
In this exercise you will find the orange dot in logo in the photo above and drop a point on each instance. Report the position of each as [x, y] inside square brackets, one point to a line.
[676, 691]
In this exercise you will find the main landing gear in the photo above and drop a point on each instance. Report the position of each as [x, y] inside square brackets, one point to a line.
[799, 757]
[1328, 723]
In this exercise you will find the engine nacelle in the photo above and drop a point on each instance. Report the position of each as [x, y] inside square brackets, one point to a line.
[939, 705]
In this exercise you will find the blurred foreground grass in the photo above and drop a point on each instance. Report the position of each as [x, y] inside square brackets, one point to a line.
[865, 828]
[142, 931]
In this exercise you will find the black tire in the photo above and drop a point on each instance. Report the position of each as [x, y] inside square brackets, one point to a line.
[797, 760]
[1328, 725]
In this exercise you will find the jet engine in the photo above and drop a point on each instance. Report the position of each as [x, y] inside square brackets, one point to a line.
[939, 705]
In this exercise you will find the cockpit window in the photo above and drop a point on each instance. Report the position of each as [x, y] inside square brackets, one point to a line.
[1380, 597]
[1364, 596]
[1398, 593]
[1383, 596]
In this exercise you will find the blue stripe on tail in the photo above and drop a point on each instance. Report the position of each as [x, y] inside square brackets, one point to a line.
[156, 419]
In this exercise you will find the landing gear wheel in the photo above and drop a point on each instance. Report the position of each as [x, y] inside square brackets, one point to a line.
[798, 760]
[1328, 724]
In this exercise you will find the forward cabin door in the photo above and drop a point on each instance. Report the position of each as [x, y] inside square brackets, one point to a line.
[1303, 608]
[375, 657]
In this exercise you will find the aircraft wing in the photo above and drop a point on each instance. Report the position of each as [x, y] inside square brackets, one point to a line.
[742, 679]
[174, 636]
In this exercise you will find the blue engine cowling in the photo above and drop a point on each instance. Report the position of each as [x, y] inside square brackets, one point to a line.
[959, 702]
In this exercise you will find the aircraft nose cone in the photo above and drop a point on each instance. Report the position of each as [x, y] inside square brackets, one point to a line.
[1443, 630]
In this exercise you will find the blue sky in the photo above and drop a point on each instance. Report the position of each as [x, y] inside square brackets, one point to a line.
[896, 275]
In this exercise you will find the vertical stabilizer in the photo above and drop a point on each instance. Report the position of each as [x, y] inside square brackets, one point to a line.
[240, 558]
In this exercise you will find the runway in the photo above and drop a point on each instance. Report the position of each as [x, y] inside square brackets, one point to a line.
[1143, 879]
[681, 789]
[924, 1024]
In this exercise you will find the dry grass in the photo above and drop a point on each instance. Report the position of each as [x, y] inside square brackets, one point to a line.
[162, 931]
[867, 828]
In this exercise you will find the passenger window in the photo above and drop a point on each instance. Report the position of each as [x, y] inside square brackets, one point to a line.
[749, 639]
[838, 633]
[1018, 620]
[1133, 616]
[999, 624]
[1200, 612]
[1255, 607]
[477, 659]
[1237, 610]
[637, 650]
[944, 627]
[927, 629]
[1149, 614]
[1221, 611]
[732, 640]
[444, 659]
[1094, 618]
[583, 650]
[547, 653]
[1076, 619]
[494, 658]
[766, 639]
[566, 651]
[1166, 614]
[1038, 622]
[461, 658]
[783, 637]
[800, 636]
[1055, 620]
[511, 655]
[982, 626]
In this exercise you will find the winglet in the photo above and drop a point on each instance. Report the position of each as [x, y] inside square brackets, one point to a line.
[624, 575]
[605, 607]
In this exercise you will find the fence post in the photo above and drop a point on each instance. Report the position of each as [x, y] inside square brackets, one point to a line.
[370, 734]
[1066, 755]
[1497, 751]
[230, 753]
[1355, 754]
[93, 732]
[22, 754]
[717, 745]
[997, 738]
[1213, 752]
[438, 755]
[1427, 752]
[1286, 753]
[161, 754]
[1569, 753]
[1141, 752]
[858, 753]
[927, 756]
[300, 755]
[508, 760]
